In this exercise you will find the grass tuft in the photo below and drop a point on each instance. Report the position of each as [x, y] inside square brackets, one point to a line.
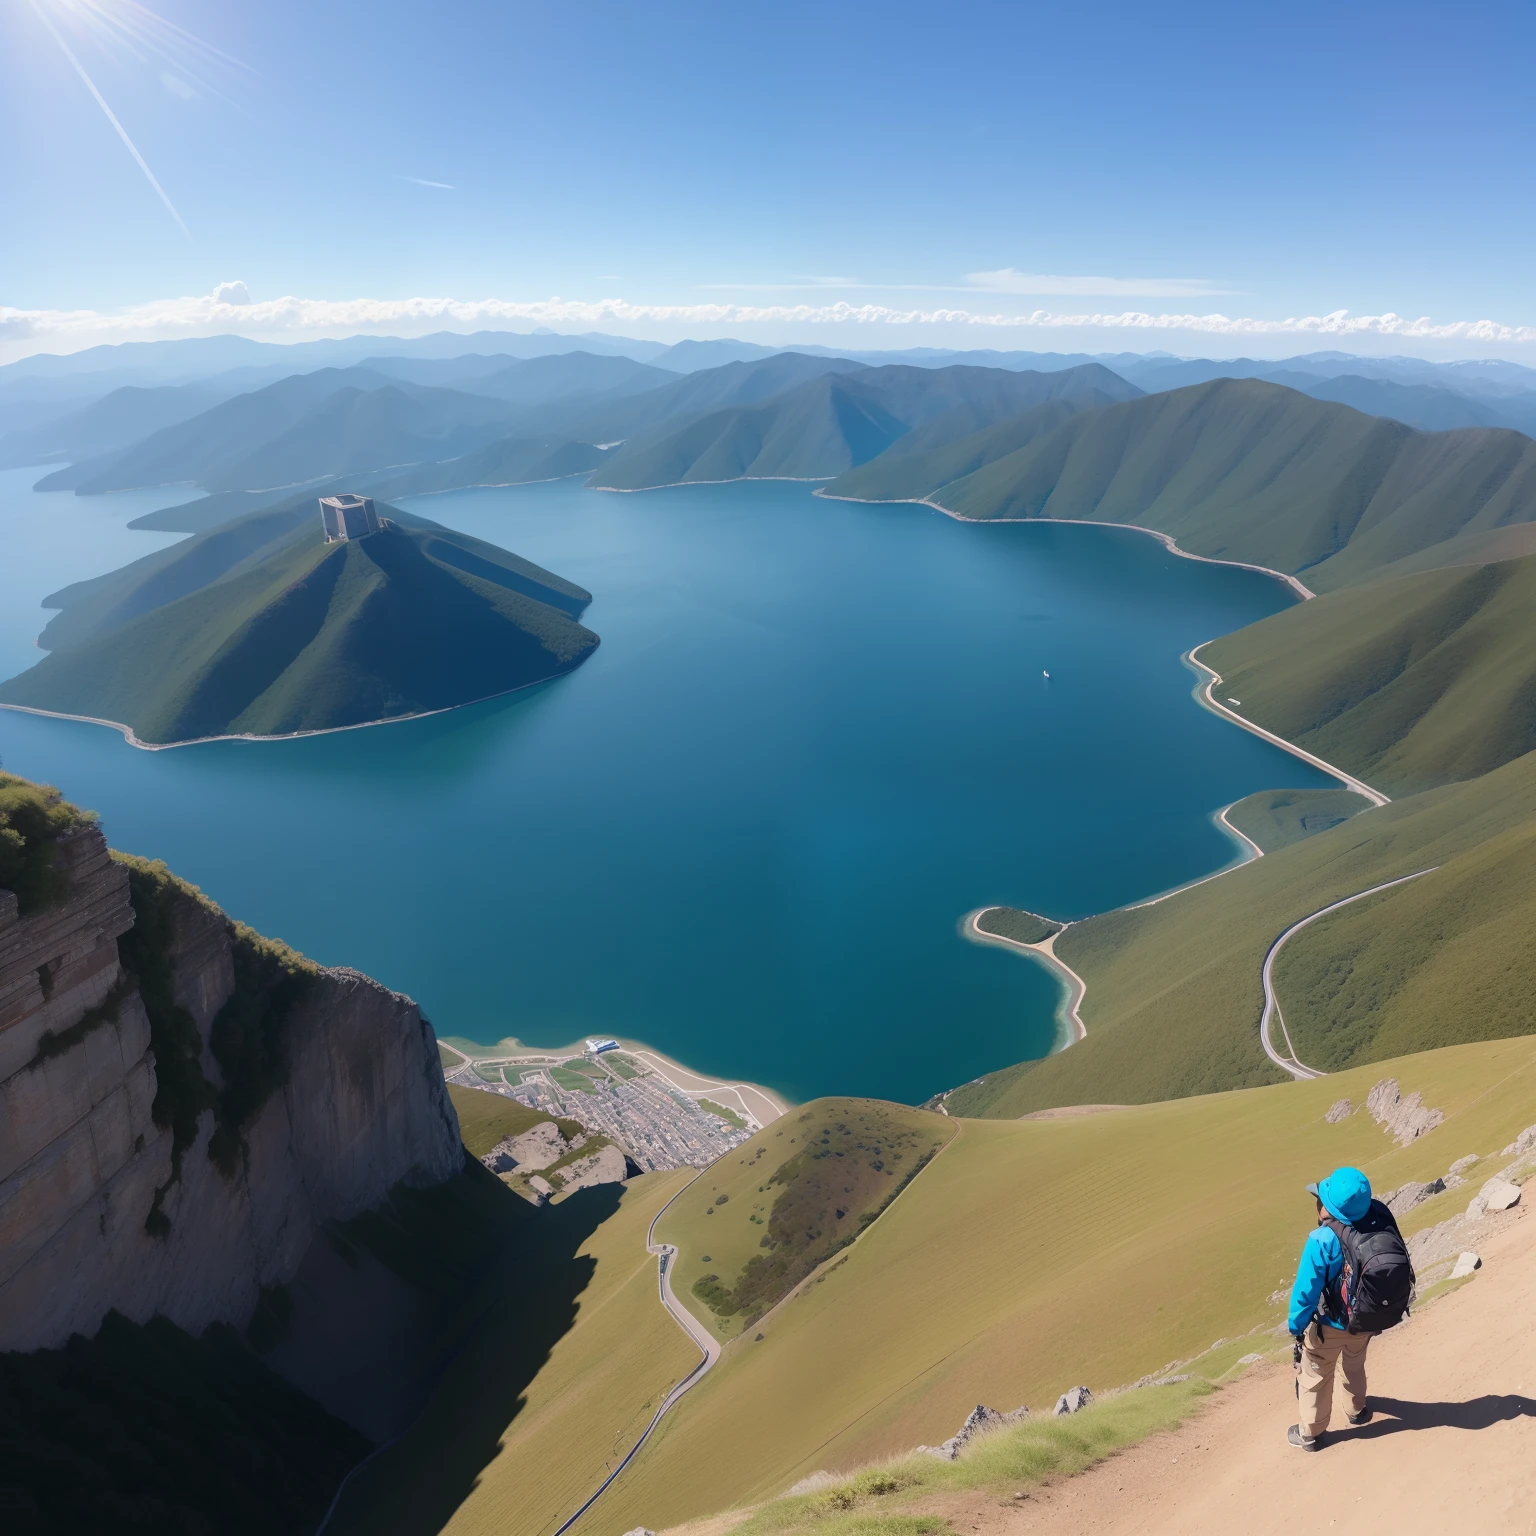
[1020, 1455]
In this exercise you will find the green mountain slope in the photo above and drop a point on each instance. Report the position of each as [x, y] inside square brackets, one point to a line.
[912, 468]
[1425, 407]
[1407, 683]
[1174, 996]
[295, 635]
[1425, 686]
[529, 381]
[1028, 1257]
[113, 422]
[1244, 470]
[820, 427]
[506, 461]
[711, 389]
[832, 422]
[301, 428]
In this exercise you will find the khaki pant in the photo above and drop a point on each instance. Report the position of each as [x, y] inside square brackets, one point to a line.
[1321, 1351]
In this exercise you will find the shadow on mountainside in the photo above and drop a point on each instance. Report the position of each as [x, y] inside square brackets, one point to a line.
[517, 1310]
[1476, 1413]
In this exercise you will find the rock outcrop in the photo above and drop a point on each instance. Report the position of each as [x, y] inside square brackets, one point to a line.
[535, 1148]
[1403, 1117]
[103, 1203]
[1403, 1200]
[980, 1421]
[1498, 1194]
[1073, 1400]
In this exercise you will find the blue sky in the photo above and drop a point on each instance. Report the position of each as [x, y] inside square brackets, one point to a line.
[1258, 162]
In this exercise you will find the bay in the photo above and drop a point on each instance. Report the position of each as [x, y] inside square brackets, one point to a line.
[815, 735]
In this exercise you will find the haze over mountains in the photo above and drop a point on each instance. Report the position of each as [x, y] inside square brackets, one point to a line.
[554, 405]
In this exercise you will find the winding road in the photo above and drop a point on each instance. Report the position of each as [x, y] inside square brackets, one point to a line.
[690, 1325]
[1290, 1062]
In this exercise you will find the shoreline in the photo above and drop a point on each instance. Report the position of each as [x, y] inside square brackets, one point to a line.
[762, 1106]
[1205, 696]
[1069, 1022]
[672, 485]
[1165, 539]
[127, 732]
[1069, 1016]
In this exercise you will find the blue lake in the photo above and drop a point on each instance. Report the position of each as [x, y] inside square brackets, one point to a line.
[815, 735]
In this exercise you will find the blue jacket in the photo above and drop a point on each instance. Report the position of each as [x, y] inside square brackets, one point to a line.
[1322, 1257]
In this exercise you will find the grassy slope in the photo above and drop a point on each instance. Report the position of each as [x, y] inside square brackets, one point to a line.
[1407, 683]
[925, 459]
[828, 424]
[1276, 818]
[1031, 1256]
[1244, 470]
[901, 1497]
[500, 1448]
[487, 1118]
[333, 421]
[507, 461]
[829, 1151]
[816, 429]
[314, 636]
[239, 538]
[1173, 996]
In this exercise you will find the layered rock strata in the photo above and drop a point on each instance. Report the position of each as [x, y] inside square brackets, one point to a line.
[82, 1160]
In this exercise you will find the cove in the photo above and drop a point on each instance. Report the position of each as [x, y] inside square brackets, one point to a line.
[814, 736]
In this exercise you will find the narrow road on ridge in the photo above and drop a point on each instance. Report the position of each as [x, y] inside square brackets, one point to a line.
[690, 1325]
[1290, 1062]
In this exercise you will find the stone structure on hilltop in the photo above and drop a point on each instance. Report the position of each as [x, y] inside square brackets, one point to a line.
[348, 517]
[95, 1212]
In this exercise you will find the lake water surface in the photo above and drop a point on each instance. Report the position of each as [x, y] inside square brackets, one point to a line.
[815, 735]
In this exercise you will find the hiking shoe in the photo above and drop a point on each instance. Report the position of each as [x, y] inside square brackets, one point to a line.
[1363, 1417]
[1302, 1442]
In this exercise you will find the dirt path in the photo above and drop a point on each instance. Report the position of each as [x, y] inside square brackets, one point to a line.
[1452, 1446]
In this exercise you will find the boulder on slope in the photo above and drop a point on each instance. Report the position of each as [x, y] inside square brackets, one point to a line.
[1401, 1201]
[1073, 1400]
[980, 1421]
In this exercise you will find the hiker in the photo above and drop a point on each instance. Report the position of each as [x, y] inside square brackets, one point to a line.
[1353, 1282]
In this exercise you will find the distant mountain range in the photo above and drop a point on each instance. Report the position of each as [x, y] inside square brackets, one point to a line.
[48, 404]
[259, 627]
[306, 427]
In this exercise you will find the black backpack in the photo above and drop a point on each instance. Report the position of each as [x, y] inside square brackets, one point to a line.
[1375, 1287]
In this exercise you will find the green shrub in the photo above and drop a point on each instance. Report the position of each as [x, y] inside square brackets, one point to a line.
[33, 818]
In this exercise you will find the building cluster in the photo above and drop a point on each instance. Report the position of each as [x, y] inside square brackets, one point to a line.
[658, 1126]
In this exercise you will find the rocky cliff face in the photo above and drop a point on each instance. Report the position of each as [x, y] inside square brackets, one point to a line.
[102, 1204]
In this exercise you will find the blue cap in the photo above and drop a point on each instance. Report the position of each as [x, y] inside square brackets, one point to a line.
[1345, 1193]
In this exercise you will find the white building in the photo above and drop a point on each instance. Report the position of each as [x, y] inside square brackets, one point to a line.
[347, 517]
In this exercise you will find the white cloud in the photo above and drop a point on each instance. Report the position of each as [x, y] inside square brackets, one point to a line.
[442, 186]
[230, 309]
[1009, 280]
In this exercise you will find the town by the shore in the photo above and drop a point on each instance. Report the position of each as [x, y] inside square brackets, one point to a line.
[662, 1113]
